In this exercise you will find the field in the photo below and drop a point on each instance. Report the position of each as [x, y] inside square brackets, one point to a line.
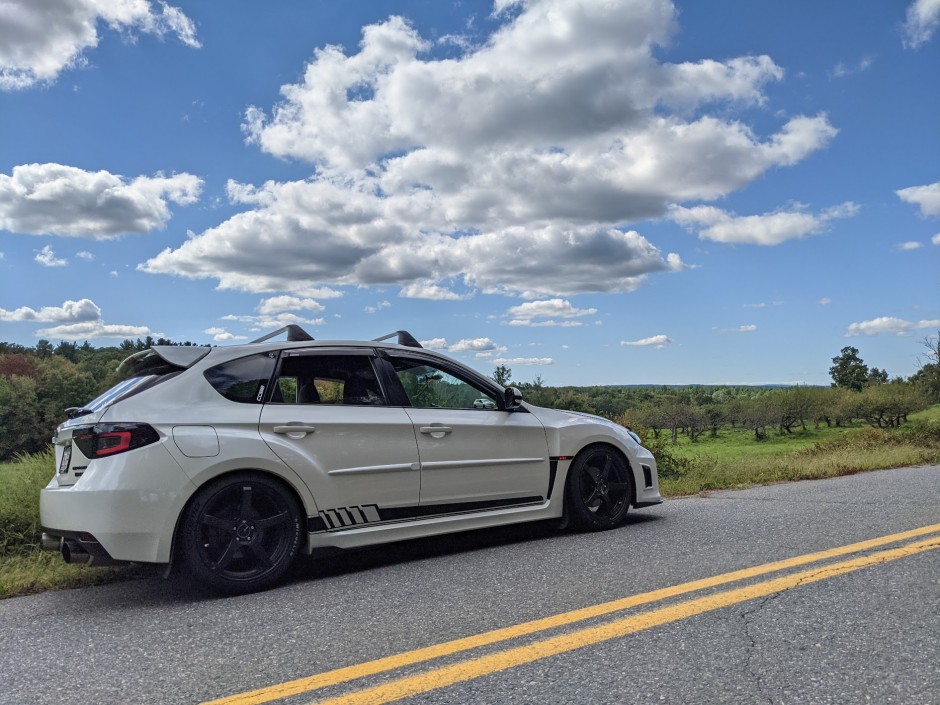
[732, 460]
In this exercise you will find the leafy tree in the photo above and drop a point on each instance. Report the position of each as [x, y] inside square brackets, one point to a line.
[848, 370]
[876, 376]
[502, 375]
[927, 378]
[44, 349]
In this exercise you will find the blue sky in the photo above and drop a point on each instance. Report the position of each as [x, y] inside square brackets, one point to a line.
[627, 192]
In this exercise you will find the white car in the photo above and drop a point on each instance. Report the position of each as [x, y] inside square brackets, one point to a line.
[230, 461]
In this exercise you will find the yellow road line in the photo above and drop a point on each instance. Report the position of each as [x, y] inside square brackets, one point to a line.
[485, 665]
[388, 663]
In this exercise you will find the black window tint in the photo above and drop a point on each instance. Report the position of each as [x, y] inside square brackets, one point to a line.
[243, 380]
[328, 379]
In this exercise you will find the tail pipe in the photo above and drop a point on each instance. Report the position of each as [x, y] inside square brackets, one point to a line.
[72, 552]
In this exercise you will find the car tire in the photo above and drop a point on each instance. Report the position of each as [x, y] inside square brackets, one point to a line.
[598, 489]
[241, 533]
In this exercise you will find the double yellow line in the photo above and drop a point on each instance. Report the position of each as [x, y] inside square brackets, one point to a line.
[470, 668]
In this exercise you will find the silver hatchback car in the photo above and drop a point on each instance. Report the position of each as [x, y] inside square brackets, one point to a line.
[230, 461]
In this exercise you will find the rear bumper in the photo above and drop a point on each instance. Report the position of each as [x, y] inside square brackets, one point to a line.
[123, 508]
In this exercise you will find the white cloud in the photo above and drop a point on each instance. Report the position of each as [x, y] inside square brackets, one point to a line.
[220, 335]
[52, 199]
[927, 197]
[768, 229]
[910, 245]
[434, 292]
[80, 311]
[39, 40]
[279, 304]
[748, 328]
[87, 256]
[568, 138]
[77, 320]
[523, 361]
[824, 301]
[46, 257]
[923, 18]
[95, 329]
[273, 322]
[935, 239]
[888, 324]
[530, 313]
[658, 341]
[378, 307]
[435, 343]
[473, 345]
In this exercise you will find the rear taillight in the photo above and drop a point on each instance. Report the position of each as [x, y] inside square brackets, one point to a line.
[106, 439]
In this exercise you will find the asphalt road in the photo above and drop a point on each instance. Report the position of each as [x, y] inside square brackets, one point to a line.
[869, 635]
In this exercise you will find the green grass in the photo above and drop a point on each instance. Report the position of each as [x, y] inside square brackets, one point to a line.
[733, 460]
[24, 567]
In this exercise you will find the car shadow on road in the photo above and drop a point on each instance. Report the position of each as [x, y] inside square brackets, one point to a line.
[150, 589]
[330, 563]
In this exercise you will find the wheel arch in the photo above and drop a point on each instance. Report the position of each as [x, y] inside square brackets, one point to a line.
[298, 496]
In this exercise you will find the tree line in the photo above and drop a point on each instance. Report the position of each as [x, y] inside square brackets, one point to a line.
[38, 383]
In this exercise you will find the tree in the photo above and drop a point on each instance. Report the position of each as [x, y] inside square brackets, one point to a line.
[927, 378]
[502, 375]
[848, 370]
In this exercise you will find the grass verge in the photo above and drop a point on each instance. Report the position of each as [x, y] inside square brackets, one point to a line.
[732, 461]
[24, 567]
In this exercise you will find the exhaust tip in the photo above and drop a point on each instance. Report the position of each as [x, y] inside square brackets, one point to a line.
[73, 553]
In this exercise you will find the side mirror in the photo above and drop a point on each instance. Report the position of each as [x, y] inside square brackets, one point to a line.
[512, 398]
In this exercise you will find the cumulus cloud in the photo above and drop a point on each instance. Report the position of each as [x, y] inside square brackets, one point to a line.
[927, 198]
[658, 341]
[544, 314]
[473, 345]
[53, 199]
[564, 139]
[39, 40]
[268, 322]
[909, 246]
[80, 311]
[76, 320]
[890, 325]
[435, 343]
[713, 223]
[220, 335]
[46, 257]
[922, 20]
[279, 304]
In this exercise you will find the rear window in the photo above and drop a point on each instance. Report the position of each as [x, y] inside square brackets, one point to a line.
[243, 380]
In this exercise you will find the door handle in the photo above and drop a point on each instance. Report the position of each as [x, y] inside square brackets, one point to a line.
[433, 430]
[297, 430]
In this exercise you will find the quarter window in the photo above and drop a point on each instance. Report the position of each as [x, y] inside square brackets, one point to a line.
[243, 380]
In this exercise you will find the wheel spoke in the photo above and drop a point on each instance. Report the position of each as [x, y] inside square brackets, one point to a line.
[217, 523]
[245, 510]
[227, 555]
[261, 556]
[605, 473]
[273, 520]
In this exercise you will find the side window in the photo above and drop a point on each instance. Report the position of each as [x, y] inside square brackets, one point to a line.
[430, 387]
[243, 380]
[327, 379]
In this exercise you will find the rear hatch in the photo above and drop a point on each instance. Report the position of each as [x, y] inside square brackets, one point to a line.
[139, 372]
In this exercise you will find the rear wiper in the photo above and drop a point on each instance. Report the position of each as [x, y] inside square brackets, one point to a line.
[75, 411]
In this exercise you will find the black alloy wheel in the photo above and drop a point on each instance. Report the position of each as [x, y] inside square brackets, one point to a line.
[598, 489]
[241, 533]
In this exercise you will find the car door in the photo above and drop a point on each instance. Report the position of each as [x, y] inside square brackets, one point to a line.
[471, 450]
[327, 418]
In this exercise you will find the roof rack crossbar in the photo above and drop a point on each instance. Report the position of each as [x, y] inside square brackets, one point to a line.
[403, 338]
[294, 334]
